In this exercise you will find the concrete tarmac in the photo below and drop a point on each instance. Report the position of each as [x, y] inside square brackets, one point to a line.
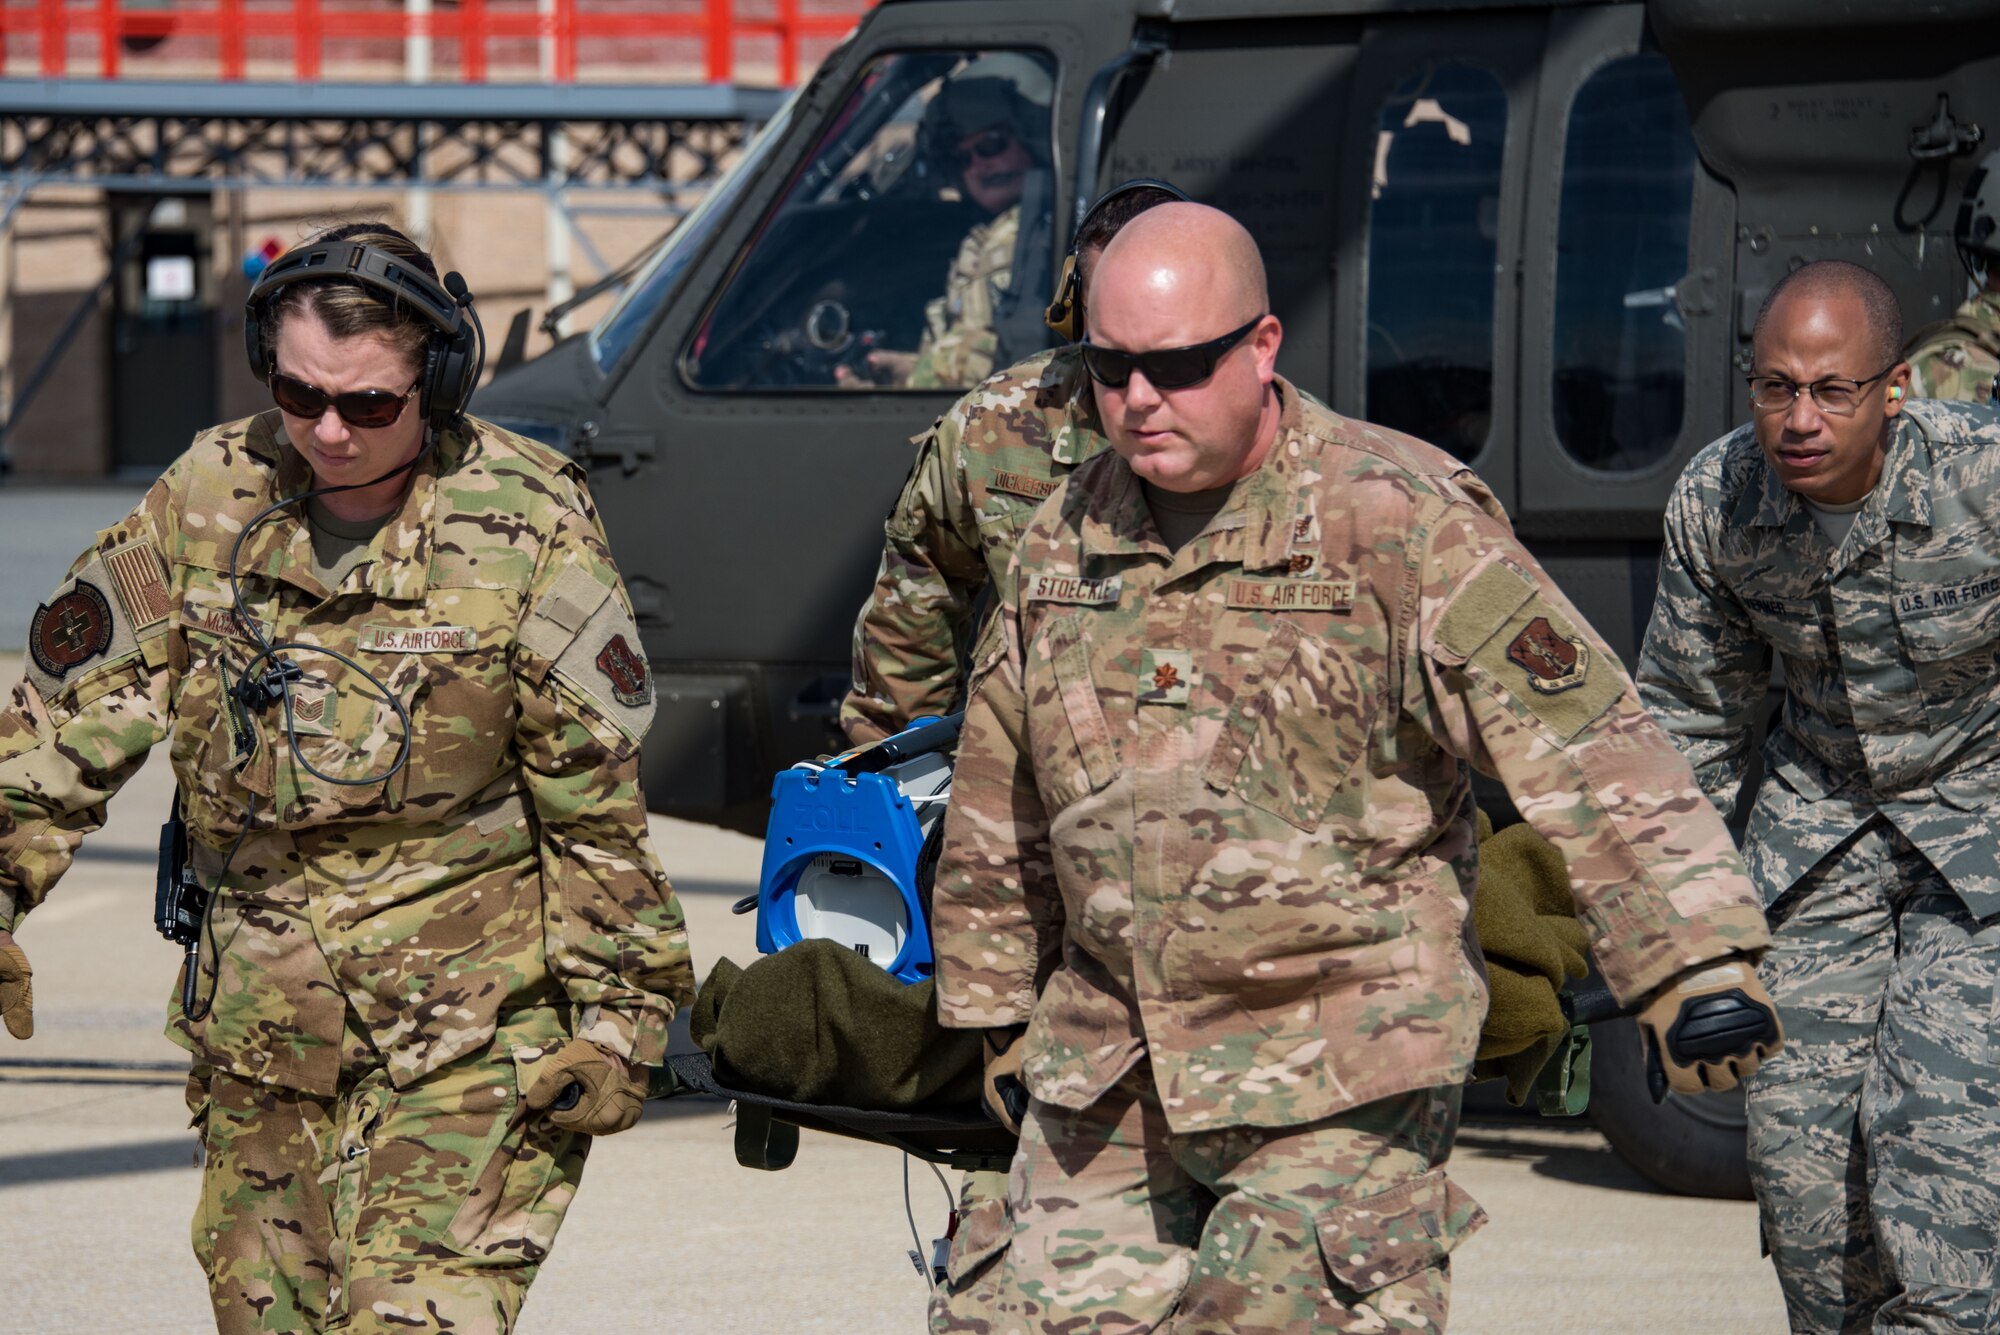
[97, 1180]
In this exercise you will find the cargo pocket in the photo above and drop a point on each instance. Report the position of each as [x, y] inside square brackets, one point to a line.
[1074, 754]
[1791, 626]
[1395, 1236]
[526, 1178]
[1297, 730]
[351, 728]
[1952, 653]
[983, 1234]
[201, 1231]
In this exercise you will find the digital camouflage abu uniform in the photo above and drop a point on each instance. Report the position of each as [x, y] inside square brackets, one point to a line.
[1873, 1133]
[1229, 788]
[980, 472]
[961, 334]
[387, 962]
[1958, 358]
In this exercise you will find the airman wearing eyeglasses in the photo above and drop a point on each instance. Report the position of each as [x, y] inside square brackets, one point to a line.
[1849, 531]
[1216, 764]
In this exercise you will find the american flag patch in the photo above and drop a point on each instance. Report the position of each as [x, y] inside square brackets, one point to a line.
[141, 584]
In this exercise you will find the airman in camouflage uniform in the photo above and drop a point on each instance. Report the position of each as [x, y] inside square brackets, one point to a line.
[981, 470]
[1227, 788]
[387, 968]
[1959, 358]
[1874, 1133]
[961, 337]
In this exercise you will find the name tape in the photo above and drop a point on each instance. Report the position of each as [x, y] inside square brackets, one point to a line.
[419, 639]
[1291, 595]
[1072, 589]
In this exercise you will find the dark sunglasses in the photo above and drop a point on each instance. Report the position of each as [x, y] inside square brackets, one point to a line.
[1164, 368]
[989, 145]
[367, 408]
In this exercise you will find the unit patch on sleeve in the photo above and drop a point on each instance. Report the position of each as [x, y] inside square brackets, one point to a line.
[1553, 662]
[71, 630]
[631, 680]
[1074, 589]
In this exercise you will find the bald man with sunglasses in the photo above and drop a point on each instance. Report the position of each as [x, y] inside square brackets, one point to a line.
[1216, 763]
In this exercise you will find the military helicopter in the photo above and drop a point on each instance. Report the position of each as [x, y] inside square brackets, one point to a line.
[1534, 233]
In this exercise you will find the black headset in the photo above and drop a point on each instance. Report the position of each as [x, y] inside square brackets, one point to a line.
[1065, 313]
[455, 354]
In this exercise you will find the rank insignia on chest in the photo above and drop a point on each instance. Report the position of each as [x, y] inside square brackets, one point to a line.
[1165, 676]
[70, 631]
[1020, 484]
[1073, 589]
[419, 639]
[1291, 595]
[631, 681]
[1553, 662]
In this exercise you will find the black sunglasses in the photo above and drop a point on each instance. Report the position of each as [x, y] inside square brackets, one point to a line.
[1164, 368]
[366, 408]
[989, 145]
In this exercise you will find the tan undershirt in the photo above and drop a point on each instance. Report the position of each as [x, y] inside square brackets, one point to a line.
[1835, 520]
[1182, 515]
[339, 545]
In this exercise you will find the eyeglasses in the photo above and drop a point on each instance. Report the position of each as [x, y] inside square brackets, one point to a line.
[1834, 394]
[986, 147]
[1164, 368]
[366, 408]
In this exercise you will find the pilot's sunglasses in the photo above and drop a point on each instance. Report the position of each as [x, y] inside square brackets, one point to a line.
[1164, 368]
[987, 146]
[367, 408]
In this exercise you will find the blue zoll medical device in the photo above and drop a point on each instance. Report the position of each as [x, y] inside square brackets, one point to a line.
[850, 845]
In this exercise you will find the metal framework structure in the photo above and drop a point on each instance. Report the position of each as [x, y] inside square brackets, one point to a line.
[477, 31]
[173, 137]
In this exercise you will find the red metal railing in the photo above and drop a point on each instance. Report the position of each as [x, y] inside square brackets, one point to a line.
[470, 29]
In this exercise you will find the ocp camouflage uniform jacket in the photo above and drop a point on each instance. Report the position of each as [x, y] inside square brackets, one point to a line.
[1233, 782]
[506, 864]
[981, 470]
[1892, 694]
[1958, 358]
[961, 336]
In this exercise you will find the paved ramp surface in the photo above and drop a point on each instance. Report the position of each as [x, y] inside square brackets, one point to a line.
[97, 1181]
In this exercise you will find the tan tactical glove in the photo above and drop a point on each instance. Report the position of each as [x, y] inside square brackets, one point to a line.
[1709, 1028]
[584, 1088]
[1005, 1096]
[17, 989]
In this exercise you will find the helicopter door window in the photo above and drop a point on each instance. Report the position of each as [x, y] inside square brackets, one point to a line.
[912, 235]
[1621, 245]
[1433, 239]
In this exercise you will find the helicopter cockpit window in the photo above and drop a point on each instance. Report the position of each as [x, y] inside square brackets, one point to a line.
[1621, 246]
[911, 249]
[1433, 235]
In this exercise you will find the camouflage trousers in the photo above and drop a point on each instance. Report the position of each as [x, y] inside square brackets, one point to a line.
[1874, 1134]
[427, 1208]
[1120, 1226]
[968, 1302]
